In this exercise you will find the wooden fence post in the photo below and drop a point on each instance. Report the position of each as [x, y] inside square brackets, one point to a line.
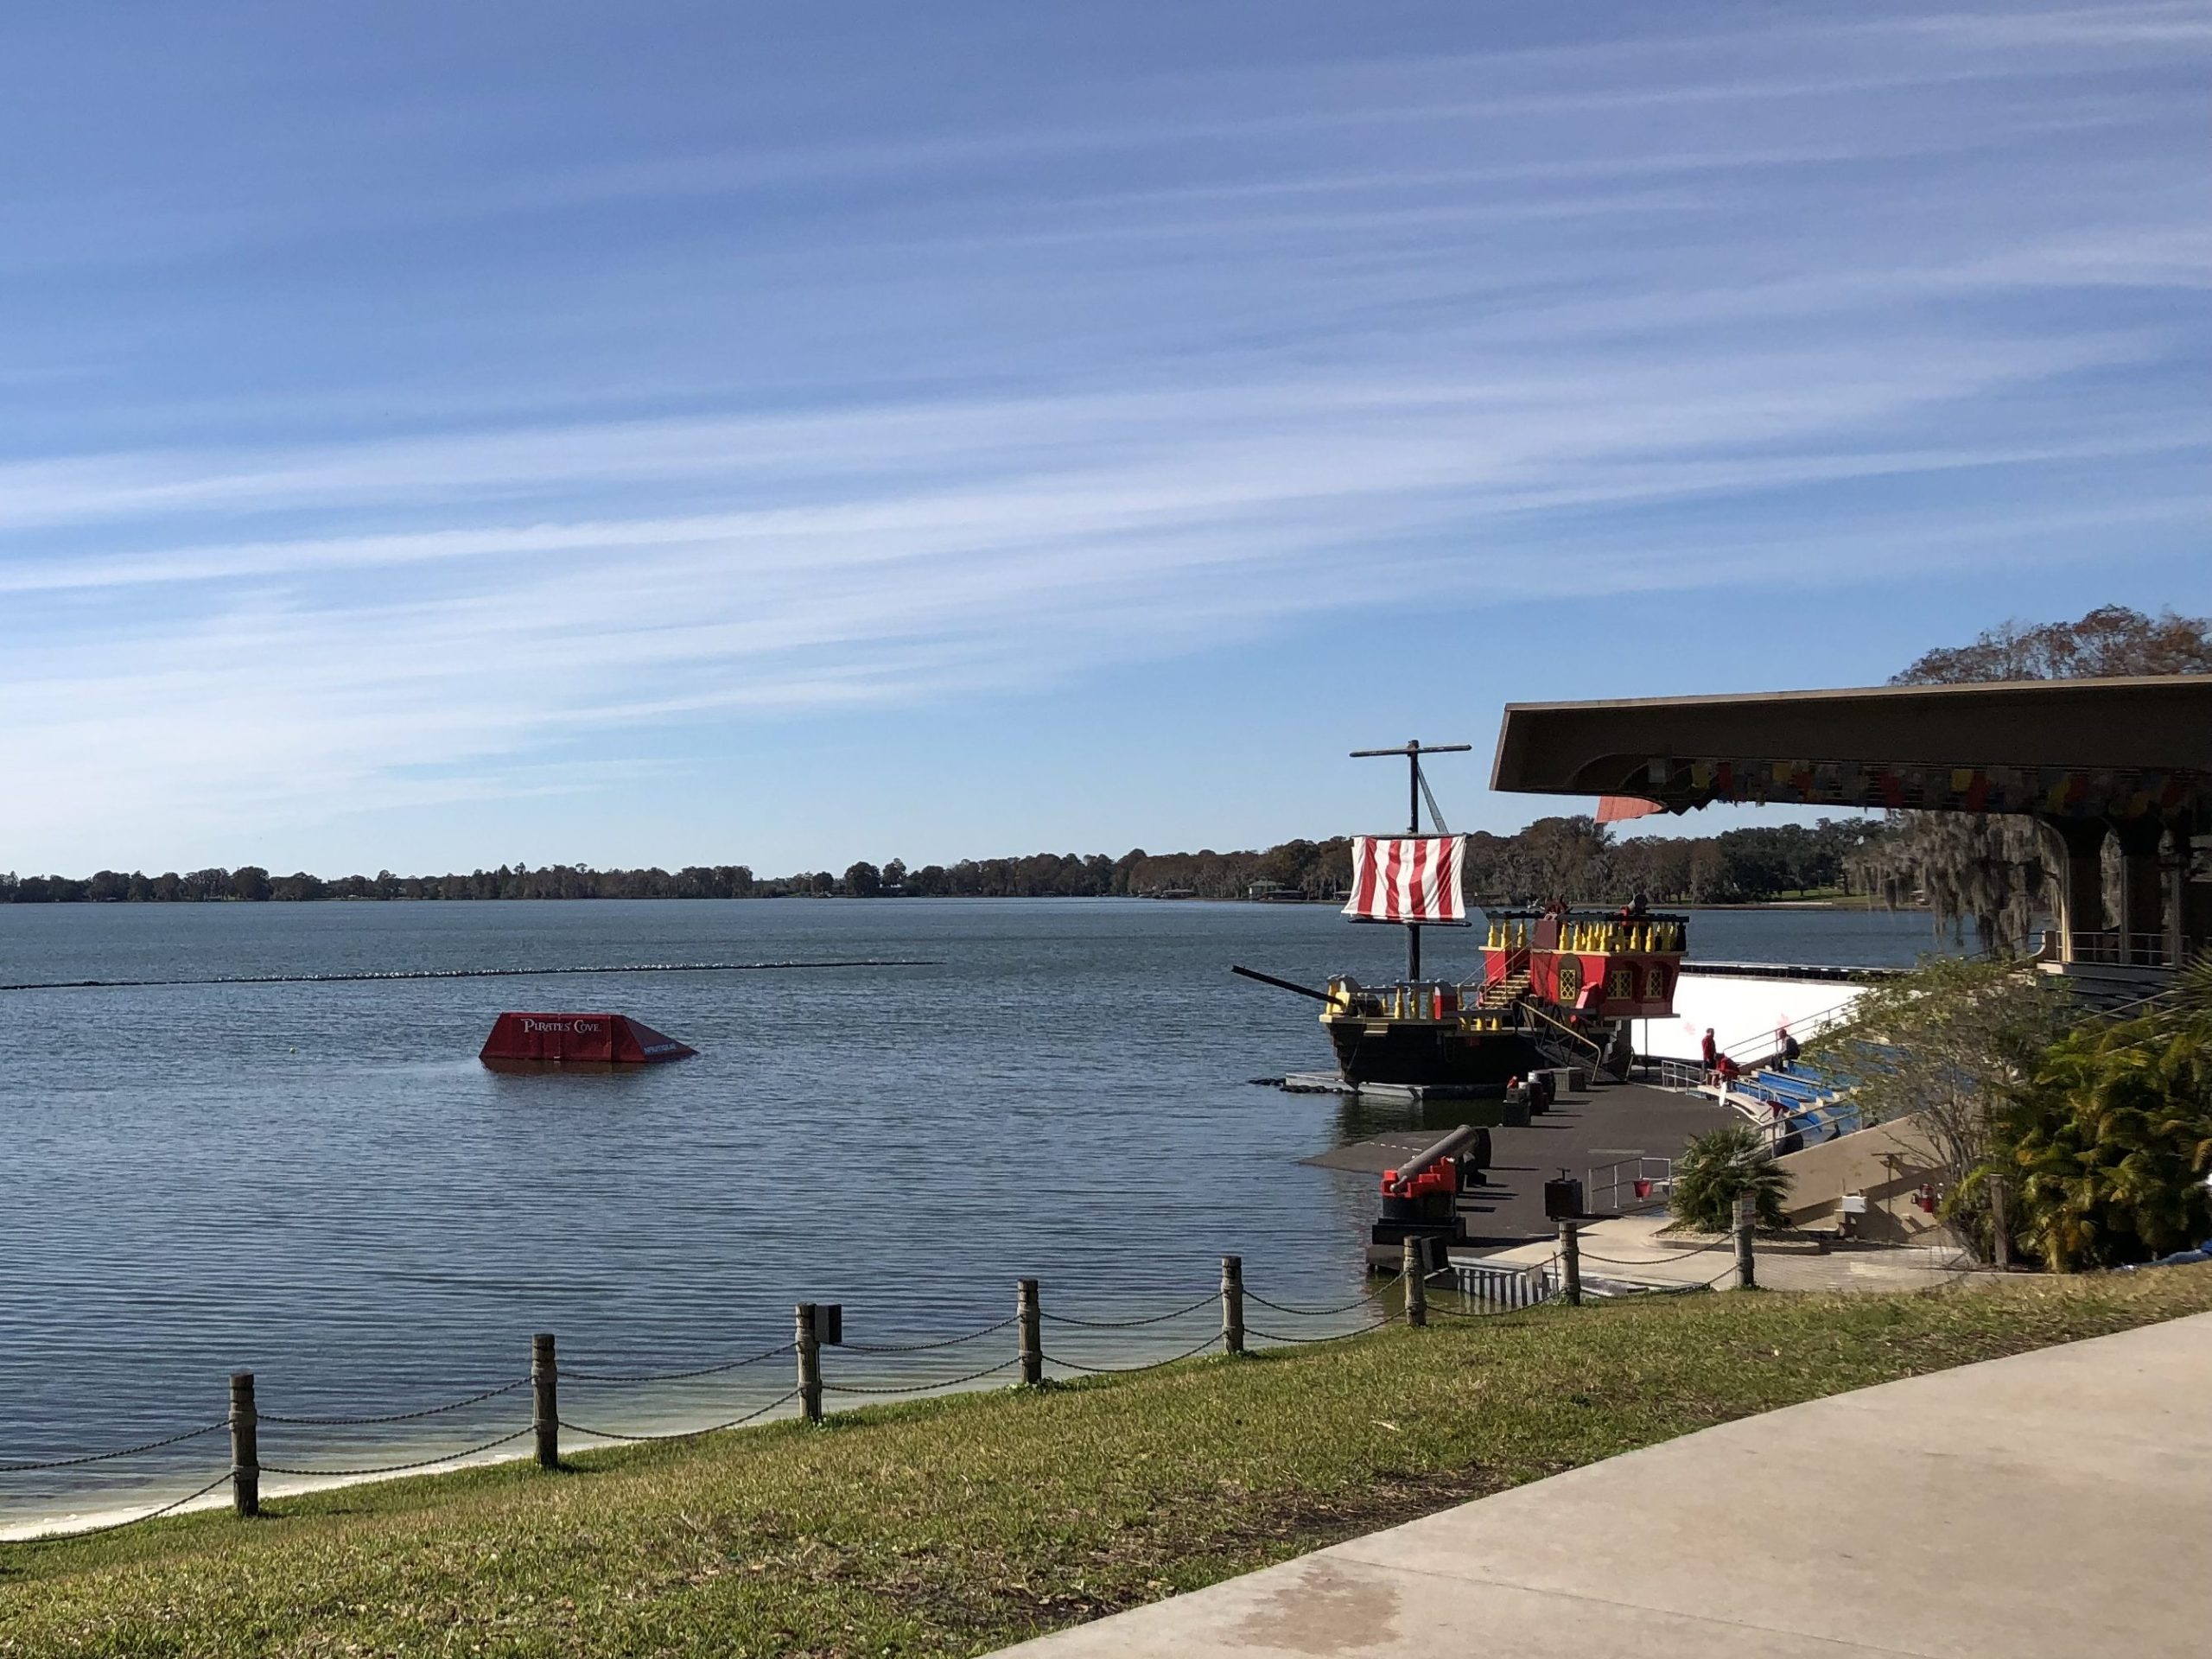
[1570, 1250]
[245, 1446]
[545, 1400]
[809, 1348]
[1029, 1328]
[1232, 1304]
[1416, 1290]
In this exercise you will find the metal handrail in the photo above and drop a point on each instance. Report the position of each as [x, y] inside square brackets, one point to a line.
[1660, 1181]
[1597, 1049]
[2110, 946]
[1814, 1026]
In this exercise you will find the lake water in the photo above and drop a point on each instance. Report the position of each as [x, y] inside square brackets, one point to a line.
[320, 1183]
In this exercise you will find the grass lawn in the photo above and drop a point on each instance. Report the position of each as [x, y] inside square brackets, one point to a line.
[955, 1525]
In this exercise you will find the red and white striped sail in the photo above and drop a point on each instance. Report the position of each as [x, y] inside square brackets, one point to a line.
[1406, 879]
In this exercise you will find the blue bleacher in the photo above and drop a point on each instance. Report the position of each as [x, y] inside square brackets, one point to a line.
[1812, 1102]
[1811, 1098]
[1788, 1086]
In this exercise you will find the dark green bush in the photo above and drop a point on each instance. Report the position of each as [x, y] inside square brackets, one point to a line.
[1718, 1167]
[2109, 1145]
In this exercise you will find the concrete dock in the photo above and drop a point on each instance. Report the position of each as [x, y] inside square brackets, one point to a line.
[2048, 1506]
[1608, 1124]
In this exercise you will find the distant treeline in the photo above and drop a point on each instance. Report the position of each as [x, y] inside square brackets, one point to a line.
[1554, 858]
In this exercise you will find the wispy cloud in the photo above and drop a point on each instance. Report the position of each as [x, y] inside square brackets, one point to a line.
[1212, 351]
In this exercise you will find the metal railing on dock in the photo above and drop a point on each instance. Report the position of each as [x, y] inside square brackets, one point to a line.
[1643, 1179]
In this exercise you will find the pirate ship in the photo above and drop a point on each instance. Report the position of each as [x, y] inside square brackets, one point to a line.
[1558, 987]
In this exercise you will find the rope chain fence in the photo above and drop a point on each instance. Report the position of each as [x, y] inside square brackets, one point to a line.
[715, 1370]
[1345, 1307]
[1206, 1300]
[170, 1508]
[1725, 1241]
[119, 1452]
[1130, 1370]
[396, 1416]
[926, 1347]
[1332, 1336]
[1535, 1284]
[680, 1434]
[397, 1468]
[921, 1387]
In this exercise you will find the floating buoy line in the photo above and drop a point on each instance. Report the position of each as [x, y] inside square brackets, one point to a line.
[476, 973]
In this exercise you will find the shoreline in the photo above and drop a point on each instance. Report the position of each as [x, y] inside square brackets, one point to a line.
[77, 1523]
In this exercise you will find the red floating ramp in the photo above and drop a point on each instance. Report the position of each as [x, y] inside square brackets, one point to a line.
[607, 1038]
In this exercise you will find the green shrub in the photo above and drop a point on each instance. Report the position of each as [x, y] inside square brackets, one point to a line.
[1944, 1044]
[1718, 1167]
[2109, 1145]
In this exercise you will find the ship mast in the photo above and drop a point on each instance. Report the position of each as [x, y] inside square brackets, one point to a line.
[1415, 789]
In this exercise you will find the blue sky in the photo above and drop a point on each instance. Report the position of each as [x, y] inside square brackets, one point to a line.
[434, 436]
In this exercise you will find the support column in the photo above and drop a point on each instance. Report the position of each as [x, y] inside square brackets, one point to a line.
[2080, 901]
[2142, 890]
[2196, 897]
[2176, 870]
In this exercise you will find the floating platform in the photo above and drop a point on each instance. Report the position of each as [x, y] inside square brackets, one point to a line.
[578, 1038]
[1329, 1083]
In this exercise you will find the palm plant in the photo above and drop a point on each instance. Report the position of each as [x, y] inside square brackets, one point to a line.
[1719, 1166]
[2111, 1142]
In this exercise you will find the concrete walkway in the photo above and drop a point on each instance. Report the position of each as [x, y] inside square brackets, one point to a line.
[1639, 1251]
[2055, 1504]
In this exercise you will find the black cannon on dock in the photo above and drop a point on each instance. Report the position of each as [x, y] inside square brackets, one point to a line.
[1421, 1197]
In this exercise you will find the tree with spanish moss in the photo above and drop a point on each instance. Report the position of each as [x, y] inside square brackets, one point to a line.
[1997, 871]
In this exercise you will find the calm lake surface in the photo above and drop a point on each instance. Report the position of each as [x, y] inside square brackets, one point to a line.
[320, 1183]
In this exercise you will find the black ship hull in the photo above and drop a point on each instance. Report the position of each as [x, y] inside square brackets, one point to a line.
[1429, 1053]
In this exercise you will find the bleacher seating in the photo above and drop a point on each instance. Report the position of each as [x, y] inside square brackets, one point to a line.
[1811, 1103]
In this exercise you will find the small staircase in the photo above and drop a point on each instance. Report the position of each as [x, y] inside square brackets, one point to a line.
[1557, 1053]
[1558, 1042]
[1504, 993]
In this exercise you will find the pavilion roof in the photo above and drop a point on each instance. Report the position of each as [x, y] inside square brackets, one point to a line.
[2115, 748]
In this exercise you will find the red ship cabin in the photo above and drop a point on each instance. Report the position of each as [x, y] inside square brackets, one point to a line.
[601, 1039]
[1605, 967]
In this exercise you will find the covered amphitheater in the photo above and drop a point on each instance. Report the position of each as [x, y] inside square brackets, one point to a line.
[2128, 760]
